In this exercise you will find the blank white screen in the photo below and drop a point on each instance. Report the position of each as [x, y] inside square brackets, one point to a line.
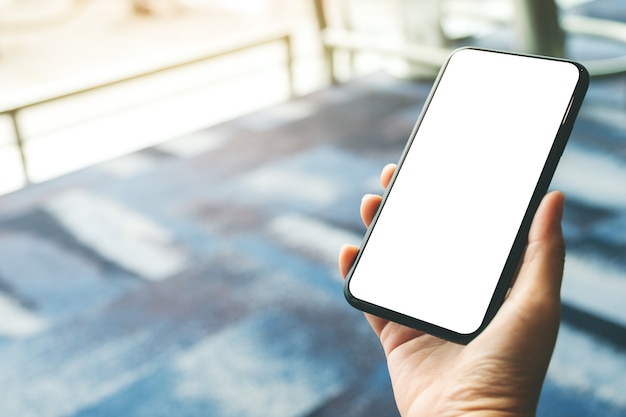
[442, 239]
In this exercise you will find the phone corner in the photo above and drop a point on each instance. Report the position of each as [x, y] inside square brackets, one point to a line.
[350, 298]
[584, 76]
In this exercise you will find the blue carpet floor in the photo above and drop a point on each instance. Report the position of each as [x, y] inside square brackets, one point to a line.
[198, 277]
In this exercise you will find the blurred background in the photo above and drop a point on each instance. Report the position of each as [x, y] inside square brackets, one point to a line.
[177, 176]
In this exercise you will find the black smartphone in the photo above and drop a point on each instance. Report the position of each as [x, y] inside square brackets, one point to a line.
[447, 239]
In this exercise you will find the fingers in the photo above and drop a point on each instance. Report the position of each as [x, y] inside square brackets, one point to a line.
[386, 174]
[369, 205]
[347, 255]
[370, 202]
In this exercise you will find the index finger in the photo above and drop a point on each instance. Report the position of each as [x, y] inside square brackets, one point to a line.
[386, 174]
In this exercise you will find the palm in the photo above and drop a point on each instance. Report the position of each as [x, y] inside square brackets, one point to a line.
[419, 365]
[503, 368]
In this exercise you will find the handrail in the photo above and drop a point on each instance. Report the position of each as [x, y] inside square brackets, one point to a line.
[252, 40]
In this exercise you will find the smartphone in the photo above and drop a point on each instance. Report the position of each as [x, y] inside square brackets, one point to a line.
[447, 239]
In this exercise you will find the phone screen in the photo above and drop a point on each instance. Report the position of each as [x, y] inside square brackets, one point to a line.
[446, 229]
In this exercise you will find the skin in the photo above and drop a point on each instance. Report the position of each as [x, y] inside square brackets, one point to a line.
[499, 373]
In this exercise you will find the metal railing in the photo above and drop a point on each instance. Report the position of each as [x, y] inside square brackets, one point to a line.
[234, 46]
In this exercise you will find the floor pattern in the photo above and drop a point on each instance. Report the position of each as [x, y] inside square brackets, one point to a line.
[199, 277]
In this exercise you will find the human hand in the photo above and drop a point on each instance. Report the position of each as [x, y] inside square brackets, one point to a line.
[501, 371]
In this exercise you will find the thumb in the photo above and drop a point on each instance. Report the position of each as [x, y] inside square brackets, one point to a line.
[530, 315]
[541, 272]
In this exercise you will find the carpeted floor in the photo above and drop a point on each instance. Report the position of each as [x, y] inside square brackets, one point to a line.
[199, 278]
